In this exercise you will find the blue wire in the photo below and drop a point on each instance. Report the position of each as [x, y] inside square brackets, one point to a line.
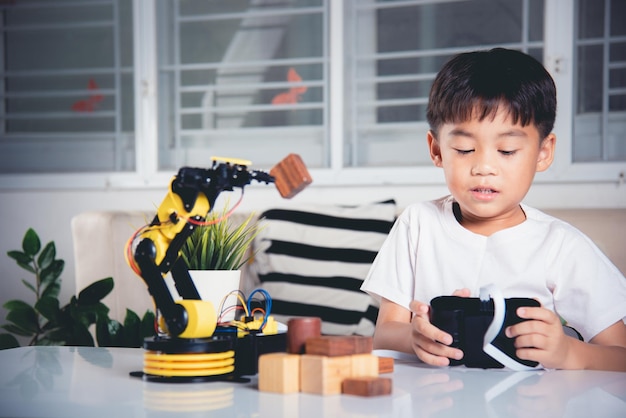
[268, 304]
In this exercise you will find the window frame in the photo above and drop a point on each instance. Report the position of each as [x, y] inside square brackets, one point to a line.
[558, 59]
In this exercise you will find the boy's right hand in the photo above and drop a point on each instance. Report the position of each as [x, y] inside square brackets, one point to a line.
[431, 345]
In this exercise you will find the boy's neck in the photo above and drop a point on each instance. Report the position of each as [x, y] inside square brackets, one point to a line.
[488, 226]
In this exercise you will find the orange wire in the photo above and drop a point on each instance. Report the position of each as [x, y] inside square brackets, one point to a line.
[217, 220]
[257, 310]
[128, 253]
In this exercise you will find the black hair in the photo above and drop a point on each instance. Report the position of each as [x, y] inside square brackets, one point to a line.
[476, 84]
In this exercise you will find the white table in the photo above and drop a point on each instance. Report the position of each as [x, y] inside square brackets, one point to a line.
[95, 382]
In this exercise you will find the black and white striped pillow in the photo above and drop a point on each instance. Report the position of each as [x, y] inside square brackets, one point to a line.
[312, 262]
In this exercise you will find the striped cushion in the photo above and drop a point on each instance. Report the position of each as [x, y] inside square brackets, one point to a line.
[313, 260]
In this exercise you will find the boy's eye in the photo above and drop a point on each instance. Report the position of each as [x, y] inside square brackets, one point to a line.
[463, 151]
[505, 152]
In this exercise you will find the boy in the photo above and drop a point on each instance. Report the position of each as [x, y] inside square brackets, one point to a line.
[491, 115]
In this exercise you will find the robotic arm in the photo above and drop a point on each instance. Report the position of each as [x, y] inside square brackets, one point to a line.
[191, 196]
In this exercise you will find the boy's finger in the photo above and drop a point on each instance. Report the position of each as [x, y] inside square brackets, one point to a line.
[464, 293]
[419, 308]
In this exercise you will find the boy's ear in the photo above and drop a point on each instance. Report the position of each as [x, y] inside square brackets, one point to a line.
[546, 153]
[435, 150]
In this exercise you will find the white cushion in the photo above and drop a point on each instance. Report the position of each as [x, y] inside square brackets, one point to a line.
[312, 261]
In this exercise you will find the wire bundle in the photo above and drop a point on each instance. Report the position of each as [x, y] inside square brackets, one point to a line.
[249, 311]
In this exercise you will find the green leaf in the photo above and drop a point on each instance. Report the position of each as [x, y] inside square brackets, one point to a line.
[47, 255]
[21, 258]
[61, 334]
[132, 330]
[15, 304]
[47, 341]
[103, 333]
[109, 333]
[148, 324]
[80, 336]
[8, 341]
[49, 308]
[51, 273]
[96, 291]
[52, 290]
[14, 329]
[28, 267]
[31, 243]
[30, 286]
[25, 318]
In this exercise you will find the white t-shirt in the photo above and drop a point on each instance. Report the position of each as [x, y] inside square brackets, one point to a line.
[428, 254]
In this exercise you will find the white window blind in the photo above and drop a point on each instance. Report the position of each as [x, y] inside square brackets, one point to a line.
[126, 91]
[243, 78]
[66, 89]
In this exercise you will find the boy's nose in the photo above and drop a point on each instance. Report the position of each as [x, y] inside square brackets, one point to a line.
[483, 165]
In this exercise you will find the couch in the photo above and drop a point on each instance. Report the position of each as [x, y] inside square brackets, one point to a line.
[311, 260]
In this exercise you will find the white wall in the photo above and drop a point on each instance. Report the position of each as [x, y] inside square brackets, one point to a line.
[50, 213]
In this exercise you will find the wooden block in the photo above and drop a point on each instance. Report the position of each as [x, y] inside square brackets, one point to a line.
[364, 365]
[338, 345]
[363, 344]
[323, 375]
[279, 372]
[385, 365]
[366, 386]
[299, 330]
[290, 176]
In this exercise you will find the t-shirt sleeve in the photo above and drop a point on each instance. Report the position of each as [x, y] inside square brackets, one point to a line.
[392, 275]
[590, 292]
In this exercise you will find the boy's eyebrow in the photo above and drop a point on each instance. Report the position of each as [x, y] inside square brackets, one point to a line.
[514, 132]
[460, 132]
[509, 133]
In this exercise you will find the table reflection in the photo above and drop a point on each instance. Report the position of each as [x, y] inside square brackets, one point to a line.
[447, 391]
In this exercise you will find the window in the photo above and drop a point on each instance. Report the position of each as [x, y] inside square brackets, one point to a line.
[66, 87]
[128, 91]
[393, 67]
[600, 100]
[242, 78]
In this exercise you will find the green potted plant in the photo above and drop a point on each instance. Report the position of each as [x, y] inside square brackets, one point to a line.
[215, 253]
[46, 322]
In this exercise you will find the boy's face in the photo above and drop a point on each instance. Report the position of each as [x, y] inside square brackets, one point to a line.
[489, 166]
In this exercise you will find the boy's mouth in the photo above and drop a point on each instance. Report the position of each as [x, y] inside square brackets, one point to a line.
[484, 193]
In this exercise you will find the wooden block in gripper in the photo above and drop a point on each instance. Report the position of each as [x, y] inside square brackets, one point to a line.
[366, 386]
[290, 176]
[334, 345]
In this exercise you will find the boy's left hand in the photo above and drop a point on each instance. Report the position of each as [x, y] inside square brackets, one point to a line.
[541, 338]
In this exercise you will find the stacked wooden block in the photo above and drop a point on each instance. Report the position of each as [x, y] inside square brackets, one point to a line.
[330, 365]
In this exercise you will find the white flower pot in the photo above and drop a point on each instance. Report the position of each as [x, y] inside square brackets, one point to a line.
[213, 286]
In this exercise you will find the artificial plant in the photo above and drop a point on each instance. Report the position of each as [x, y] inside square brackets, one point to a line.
[218, 244]
[48, 323]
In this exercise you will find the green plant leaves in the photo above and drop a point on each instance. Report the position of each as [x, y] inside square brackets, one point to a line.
[220, 246]
[47, 323]
[49, 308]
[8, 341]
[31, 243]
[51, 273]
[25, 318]
[22, 259]
[96, 291]
[111, 333]
[47, 256]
